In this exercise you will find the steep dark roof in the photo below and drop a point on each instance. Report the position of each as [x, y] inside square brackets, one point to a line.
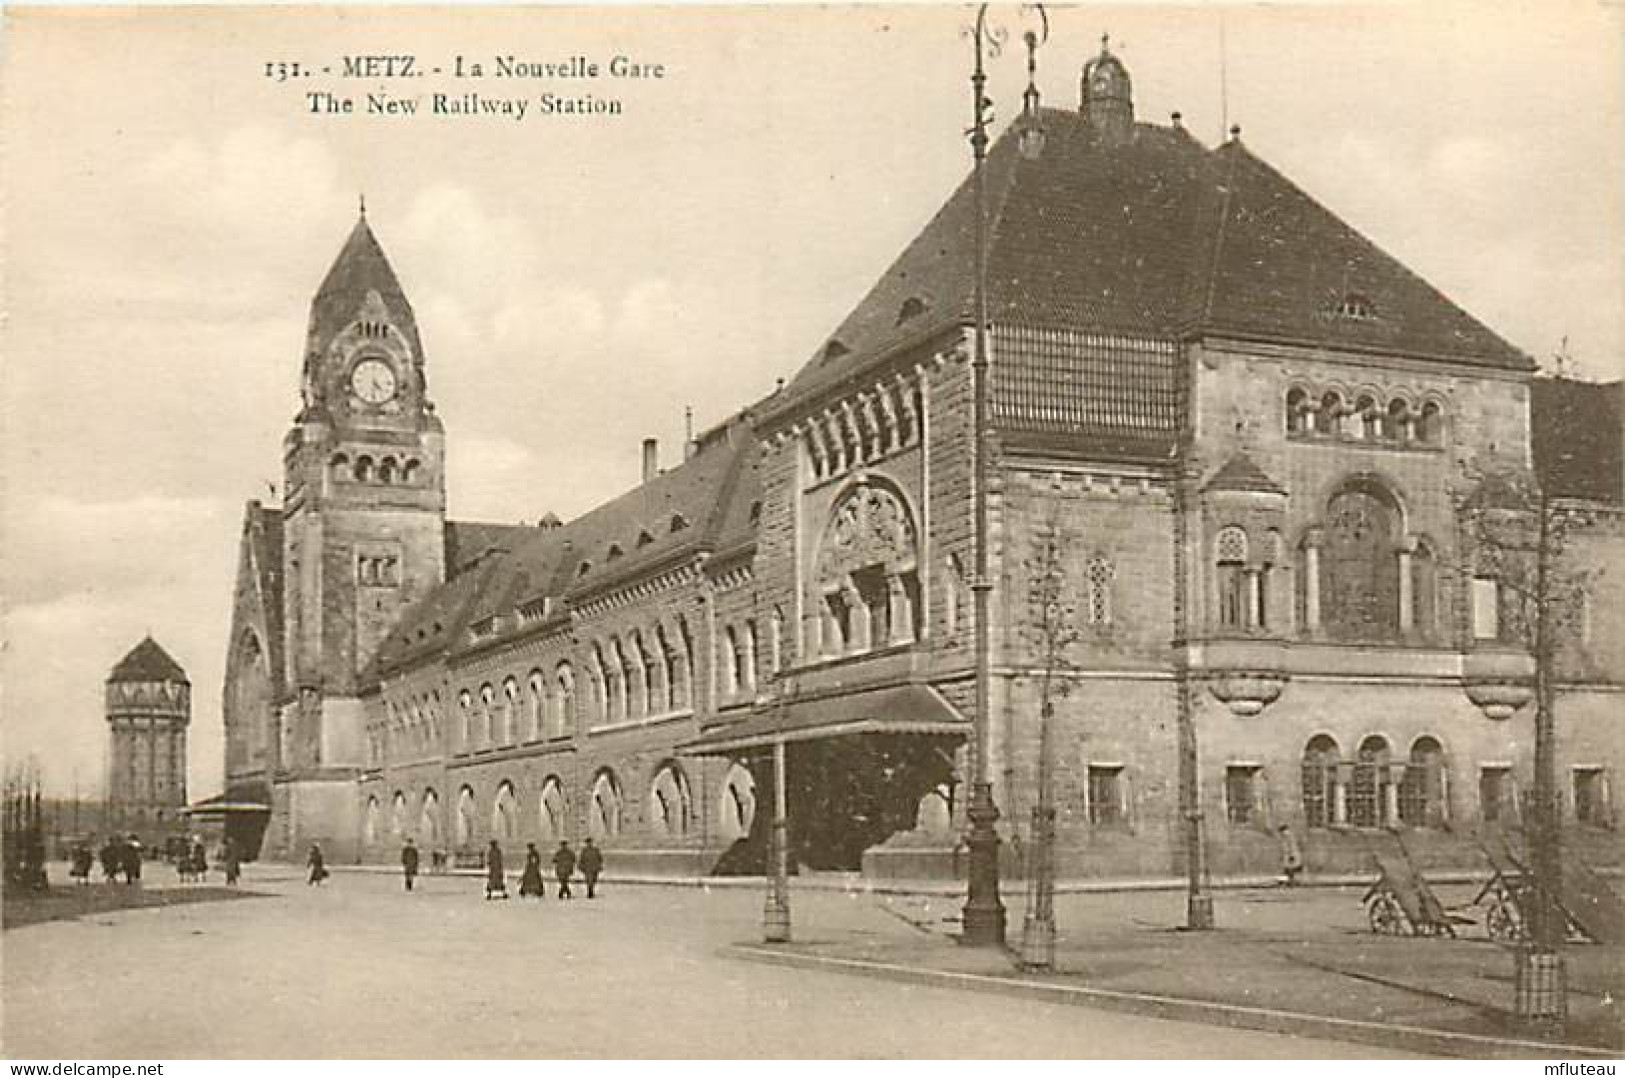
[1576, 434]
[1151, 236]
[1242, 473]
[468, 541]
[147, 661]
[361, 267]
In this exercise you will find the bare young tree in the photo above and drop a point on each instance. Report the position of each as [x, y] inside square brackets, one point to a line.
[1052, 629]
[1516, 545]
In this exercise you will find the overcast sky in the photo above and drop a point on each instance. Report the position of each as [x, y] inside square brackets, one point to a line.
[170, 211]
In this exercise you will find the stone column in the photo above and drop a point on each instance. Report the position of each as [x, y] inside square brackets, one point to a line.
[862, 623]
[1407, 602]
[1340, 796]
[1253, 616]
[1390, 795]
[900, 611]
[1311, 582]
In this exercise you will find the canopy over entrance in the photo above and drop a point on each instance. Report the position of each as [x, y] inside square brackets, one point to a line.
[240, 813]
[902, 709]
[853, 768]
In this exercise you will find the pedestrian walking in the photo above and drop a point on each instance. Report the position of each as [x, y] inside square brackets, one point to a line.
[318, 866]
[409, 863]
[82, 862]
[591, 863]
[496, 884]
[132, 861]
[112, 858]
[230, 861]
[530, 884]
[1291, 857]
[437, 862]
[564, 866]
[199, 859]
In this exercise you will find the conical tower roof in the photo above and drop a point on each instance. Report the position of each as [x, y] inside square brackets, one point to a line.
[148, 661]
[361, 268]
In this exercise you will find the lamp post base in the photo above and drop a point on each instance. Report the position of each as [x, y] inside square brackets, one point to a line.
[1037, 943]
[775, 921]
[982, 920]
[1199, 912]
[1541, 988]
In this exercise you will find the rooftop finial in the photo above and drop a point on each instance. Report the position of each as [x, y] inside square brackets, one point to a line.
[1105, 44]
[363, 198]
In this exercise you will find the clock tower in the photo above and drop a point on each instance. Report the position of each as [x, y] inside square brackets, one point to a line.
[363, 533]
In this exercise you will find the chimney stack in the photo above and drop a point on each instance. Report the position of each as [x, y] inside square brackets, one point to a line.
[651, 459]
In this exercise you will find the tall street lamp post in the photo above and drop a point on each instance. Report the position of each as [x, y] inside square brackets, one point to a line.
[983, 918]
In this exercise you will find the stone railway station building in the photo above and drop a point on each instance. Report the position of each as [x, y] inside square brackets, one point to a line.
[1245, 420]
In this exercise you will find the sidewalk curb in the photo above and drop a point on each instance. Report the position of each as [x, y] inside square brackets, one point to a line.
[1235, 1016]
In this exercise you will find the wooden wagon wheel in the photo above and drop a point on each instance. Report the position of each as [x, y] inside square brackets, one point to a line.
[1503, 921]
[1385, 915]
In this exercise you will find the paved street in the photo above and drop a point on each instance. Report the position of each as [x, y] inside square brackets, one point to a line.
[358, 969]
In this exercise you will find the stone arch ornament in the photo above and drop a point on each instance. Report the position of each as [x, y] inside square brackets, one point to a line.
[505, 814]
[554, 809]
[866, 575]
[465, 816]
[737, 805]
[429, 818]
[604, 812]
[671, 807]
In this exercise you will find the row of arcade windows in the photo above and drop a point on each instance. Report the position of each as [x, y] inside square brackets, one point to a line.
[365, 469]
[1365, 418]
[670, 812]
[642, 674]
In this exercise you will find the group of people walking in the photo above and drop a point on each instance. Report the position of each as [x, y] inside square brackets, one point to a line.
[124, 856]
[590, 862]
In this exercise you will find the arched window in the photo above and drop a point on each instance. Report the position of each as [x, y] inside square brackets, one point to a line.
[465, 817]
[487, 724]
[1230, 562]
[371, 832]
[1359, 563]
[1397, 424]
[750, 645]
[737, 805]
[397, 816]
[465, 705]
[1422, 794]
[1329, 418]
[510, 711]
[670, 807]
[1368, 792]
[363, 469]
[598, 683]
[409, 472]
[339, 466]
[429, 818]
[604, 812]
[536, 706]
[865, 582]
[732, 660]
[564, 718]
[386, 470]
[1430, 424]
[1297, 411]
[1370, 418]
[1424, 591]
[934, 815]
[554, 809]
[505, 814]
[1321, 796]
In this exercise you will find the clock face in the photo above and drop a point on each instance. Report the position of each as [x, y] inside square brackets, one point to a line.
[373, 381]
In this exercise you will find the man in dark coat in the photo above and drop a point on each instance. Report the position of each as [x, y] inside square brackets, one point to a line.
[409, 863]
[591, 863]
[230, 861]
[496, 883]
[564, 866]
[132, 861]
[112, 857]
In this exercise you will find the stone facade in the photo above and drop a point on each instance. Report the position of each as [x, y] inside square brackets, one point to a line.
[1249, 426]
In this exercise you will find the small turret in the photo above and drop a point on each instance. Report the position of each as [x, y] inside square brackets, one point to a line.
[1106, 96]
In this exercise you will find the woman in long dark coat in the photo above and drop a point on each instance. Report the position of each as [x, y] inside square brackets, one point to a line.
[318, 867]
[230, 862]
[530, 884]
[496, 884]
